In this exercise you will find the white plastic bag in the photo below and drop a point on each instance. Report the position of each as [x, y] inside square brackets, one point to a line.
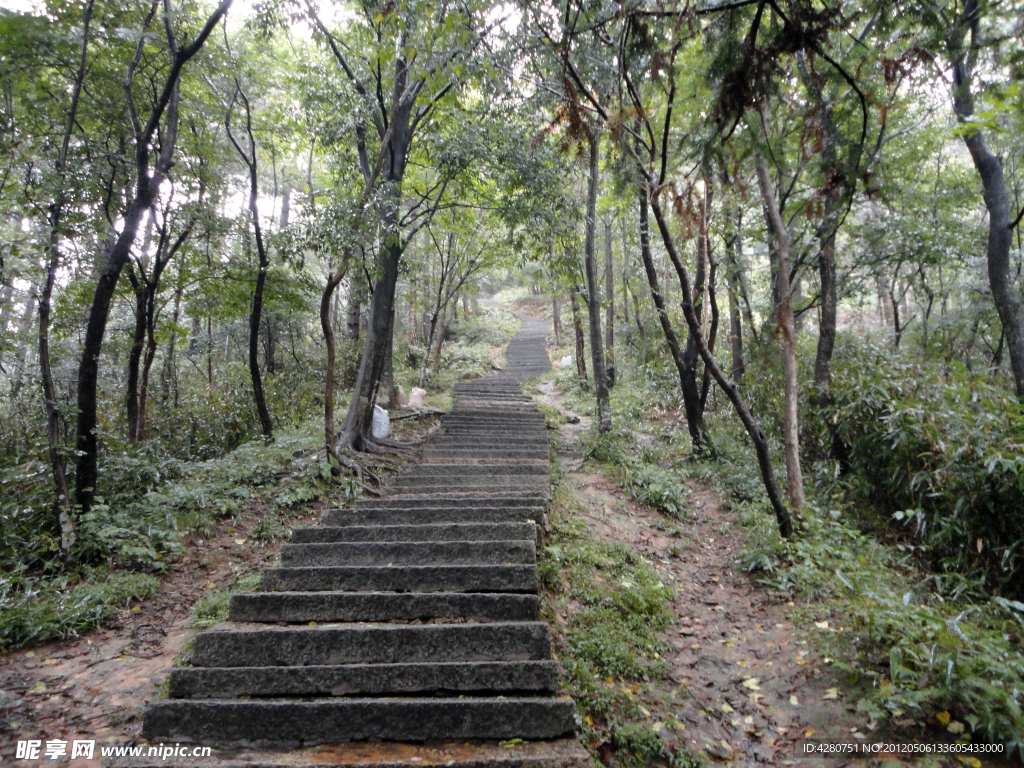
[566, 362]
[381, 426]
[416, 397]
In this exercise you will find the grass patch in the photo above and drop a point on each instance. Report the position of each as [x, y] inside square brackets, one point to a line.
[213, 609]
[615, 607]
[34, 610]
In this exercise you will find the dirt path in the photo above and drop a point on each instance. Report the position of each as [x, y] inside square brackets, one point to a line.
[746, 682]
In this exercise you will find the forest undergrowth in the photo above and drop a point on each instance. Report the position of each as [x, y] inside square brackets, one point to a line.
[922, 621]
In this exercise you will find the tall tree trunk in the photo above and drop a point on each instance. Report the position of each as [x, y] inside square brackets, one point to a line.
[1005, 292]
[687, 380]
[135, 354]
[581, 349]
[256, 307]
[609, 294]
[604, 411]
[325, 325]
[642, 331]
[556, 318]
[757, 435]
[787, 342]
[705, 385]
[356, 295]
[733, 265]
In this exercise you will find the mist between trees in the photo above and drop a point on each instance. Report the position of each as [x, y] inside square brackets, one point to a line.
[798, 223]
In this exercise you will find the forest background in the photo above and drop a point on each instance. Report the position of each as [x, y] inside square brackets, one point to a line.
[787, 232]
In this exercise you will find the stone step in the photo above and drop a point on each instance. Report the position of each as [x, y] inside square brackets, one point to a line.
[364, 680]
[490, 440]
[495, 453]
[303, 607]
[433, 501]
[436, 532]
[500, 483]
[387, 644]
[415, 578]
[447, 470]
[409, 553]
[479, 512]
[334, 720]
[558, 753]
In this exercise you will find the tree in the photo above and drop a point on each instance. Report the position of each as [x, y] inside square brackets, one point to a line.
[149, 175]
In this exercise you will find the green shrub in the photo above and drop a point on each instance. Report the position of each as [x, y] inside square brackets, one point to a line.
[34, 610]
[941, 453]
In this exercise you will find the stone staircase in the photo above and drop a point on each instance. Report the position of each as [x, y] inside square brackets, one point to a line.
[409, 618]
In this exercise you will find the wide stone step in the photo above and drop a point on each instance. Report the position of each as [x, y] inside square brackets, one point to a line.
[415, 578]
[497, 453]
[486, 440]
[476, 470]
[333, 720]
[412, 514]
[409, 553]
[437, 532]
[389, 644]
[364, 680]
[501, 483]
[303, 607]
[434, 501]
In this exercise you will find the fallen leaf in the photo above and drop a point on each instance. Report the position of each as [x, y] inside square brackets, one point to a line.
[239, 542]
[752, 683]
[831, 693]
[727, 709]
[656, 727]
[39, 687]
[955, 727]
[943, 717]
[794, 700]
[210, 585]
[821, 624]
[647, 712]
[809, 732]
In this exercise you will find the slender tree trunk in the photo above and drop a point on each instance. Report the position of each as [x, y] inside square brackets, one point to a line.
[135, 354]
[54, 443]
[609, 294]
[642, 331]
[328, 331]
[581, 349]
[604, 411]
[757, 435]
[787, 342]
[705, 386]
[556, 318]
[687, 381]
[356, 295]
[733, 261]
[1005, 292]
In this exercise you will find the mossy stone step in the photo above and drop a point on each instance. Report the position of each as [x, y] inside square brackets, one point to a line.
[383, 644]
[252, 722]
[412, 578]
[364, 679]
[303, 607]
